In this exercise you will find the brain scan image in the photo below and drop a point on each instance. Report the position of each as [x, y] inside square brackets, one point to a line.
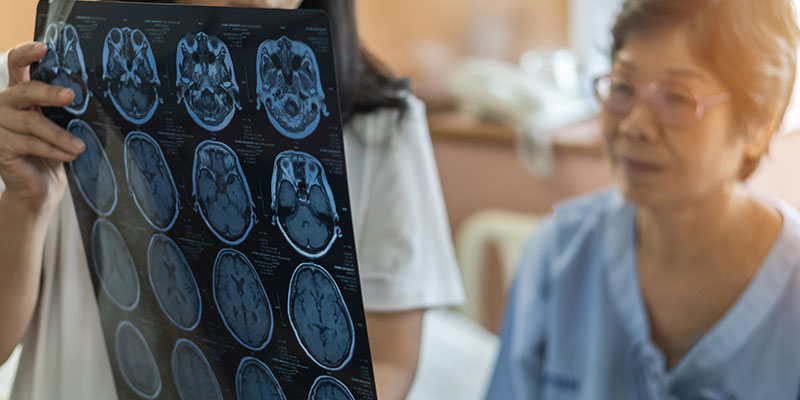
[150, 180]
[114, 265]
[173, 282]
[288, 84]
[302, 203]
[255, 381]
[329, 388]
[319, 317]
[193, 375]
[130, 74]
[136, 361]
[241, 299]
[63, 64]
[206, 81]
[222, 195]
[92, 170]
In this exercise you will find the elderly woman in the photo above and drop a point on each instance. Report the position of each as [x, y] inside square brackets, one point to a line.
[680, 282]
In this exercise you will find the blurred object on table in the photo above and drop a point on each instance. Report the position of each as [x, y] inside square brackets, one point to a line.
[534, 99]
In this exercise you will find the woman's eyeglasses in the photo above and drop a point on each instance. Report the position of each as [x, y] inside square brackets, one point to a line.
[672, 104]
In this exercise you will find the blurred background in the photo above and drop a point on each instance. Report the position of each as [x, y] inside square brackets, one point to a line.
[512, 120]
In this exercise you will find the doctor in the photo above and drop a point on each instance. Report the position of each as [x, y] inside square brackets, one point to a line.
[404, 248]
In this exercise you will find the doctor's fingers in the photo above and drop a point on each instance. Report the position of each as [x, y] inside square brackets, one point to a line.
[16, 145]
[19, 127]
[20, 58]
[33, 94]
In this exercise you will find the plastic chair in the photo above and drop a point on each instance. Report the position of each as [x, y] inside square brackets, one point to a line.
[507, 232]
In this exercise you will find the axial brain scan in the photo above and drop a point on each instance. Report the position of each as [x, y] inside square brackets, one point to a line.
[329, 388]
[241, 299]
[193, 375]
[302, 203]
[136, 361]
[92, 170]
[288, 84]
[63, 64]
[319, 317]
[150, 180]
[114, 265]
[129, 70]
[173, 283]
[222, 195]
[255, 381]
[206, 80]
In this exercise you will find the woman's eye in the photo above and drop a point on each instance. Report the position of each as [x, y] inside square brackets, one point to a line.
[678, 98]
[622, 89]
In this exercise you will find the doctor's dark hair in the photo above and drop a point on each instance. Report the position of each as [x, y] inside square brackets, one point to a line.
[750, 46]
[365, 83]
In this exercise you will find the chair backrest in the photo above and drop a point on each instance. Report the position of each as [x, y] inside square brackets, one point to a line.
[505, 231]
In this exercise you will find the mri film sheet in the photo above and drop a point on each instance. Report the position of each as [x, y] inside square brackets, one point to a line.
[212, 198]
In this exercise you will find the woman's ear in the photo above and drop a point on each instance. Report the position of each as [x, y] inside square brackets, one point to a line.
[756, 144]
[759, 135]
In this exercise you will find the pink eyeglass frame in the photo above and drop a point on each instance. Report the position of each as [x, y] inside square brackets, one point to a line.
[703, 102]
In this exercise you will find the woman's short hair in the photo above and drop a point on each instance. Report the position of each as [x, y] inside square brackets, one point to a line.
[749, 45]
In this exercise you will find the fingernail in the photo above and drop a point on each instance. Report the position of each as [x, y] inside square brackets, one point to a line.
[39, 46]
[64, 92]
[77, 144]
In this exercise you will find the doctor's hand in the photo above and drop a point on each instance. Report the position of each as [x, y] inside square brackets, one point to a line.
[33, 148]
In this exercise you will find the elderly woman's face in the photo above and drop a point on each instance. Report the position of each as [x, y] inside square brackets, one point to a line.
[654, 160]
[287, 4]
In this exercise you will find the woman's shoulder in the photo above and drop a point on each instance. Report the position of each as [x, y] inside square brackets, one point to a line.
[565, 239]
[789, 240]
[587, 215]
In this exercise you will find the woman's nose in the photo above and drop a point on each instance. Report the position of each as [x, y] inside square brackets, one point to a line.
[640, 124]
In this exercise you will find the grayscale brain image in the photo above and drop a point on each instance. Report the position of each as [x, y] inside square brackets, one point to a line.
[193, 375]
[63, 64]
[174, 285]
[136, 361]
[150, 180]
[92, 170]
[329, 388]
[113, 264]
[222, 195]
[207, 81]
[288, 85]
[130, 74]
[302, 203]
[241, 299]
[255, 381]
[319, 317]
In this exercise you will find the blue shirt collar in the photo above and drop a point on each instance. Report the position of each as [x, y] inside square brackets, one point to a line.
[729, 333]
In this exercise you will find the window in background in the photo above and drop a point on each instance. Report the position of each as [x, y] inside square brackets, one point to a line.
[589, 32]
